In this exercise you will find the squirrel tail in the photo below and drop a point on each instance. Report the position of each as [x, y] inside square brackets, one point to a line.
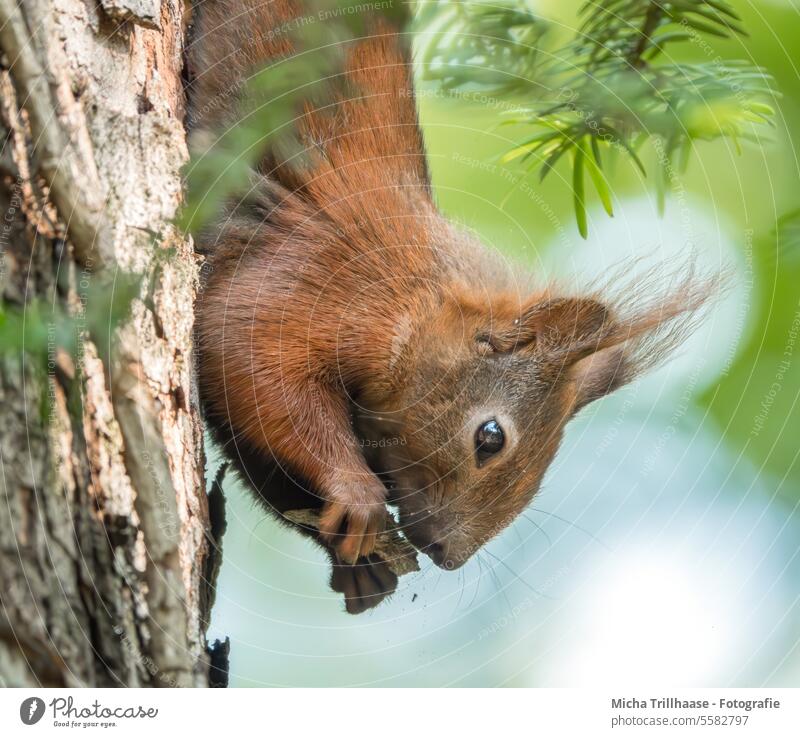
[229, 41]
[366, 113]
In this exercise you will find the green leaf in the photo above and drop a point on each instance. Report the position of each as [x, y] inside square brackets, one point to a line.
[724, 8]
[708, 28]
[596, 152]
[578, 193]
[761, 108]
[619, 140]
[553, 158]
[661, 189]
[598, 179]
[523, 150]
[684, 152]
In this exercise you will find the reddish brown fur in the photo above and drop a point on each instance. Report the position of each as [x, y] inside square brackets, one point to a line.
[341, 310]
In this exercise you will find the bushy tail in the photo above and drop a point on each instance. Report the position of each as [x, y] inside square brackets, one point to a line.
[229, 41]
[355, 122]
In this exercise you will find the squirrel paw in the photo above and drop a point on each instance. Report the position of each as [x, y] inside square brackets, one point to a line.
[364, 585]
[352, 529]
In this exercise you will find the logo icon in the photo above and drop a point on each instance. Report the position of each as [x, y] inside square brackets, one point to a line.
[31, 710]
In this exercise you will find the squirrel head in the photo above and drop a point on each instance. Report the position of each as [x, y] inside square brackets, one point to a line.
[488, 389]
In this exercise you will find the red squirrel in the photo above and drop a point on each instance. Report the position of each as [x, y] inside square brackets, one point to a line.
[356, 349]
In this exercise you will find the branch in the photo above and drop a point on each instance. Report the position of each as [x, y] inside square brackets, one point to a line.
[649, 26]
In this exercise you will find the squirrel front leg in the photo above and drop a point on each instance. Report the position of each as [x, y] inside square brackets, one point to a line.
[309, 430]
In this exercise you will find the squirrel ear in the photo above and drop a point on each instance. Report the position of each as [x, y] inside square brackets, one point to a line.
[566, 328]
[600, 374]
[601, 343]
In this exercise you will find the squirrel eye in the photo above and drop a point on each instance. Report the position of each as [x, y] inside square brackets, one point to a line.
[489, 439]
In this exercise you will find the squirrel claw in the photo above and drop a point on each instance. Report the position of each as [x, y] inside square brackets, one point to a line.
[361, 525]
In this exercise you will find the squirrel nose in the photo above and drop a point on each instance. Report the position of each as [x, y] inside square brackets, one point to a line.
[431, 541]
[436, 552]
[439, 554]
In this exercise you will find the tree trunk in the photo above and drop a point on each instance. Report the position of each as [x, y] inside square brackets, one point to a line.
[104, 524]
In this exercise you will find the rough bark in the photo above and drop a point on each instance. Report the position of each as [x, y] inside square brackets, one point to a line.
[104, 532]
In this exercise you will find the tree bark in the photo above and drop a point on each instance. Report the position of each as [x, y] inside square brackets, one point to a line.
[104, 523]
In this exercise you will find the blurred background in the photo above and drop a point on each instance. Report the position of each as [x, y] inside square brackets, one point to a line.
[664, 547]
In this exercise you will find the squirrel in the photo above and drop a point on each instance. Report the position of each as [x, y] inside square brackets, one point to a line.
[356, 349]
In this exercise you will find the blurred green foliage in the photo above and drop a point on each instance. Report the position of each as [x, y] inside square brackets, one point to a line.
[758, 401]
[501, 46]
[607, 88]
[37, 331]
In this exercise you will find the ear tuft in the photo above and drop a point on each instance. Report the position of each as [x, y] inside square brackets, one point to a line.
[652, 317]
